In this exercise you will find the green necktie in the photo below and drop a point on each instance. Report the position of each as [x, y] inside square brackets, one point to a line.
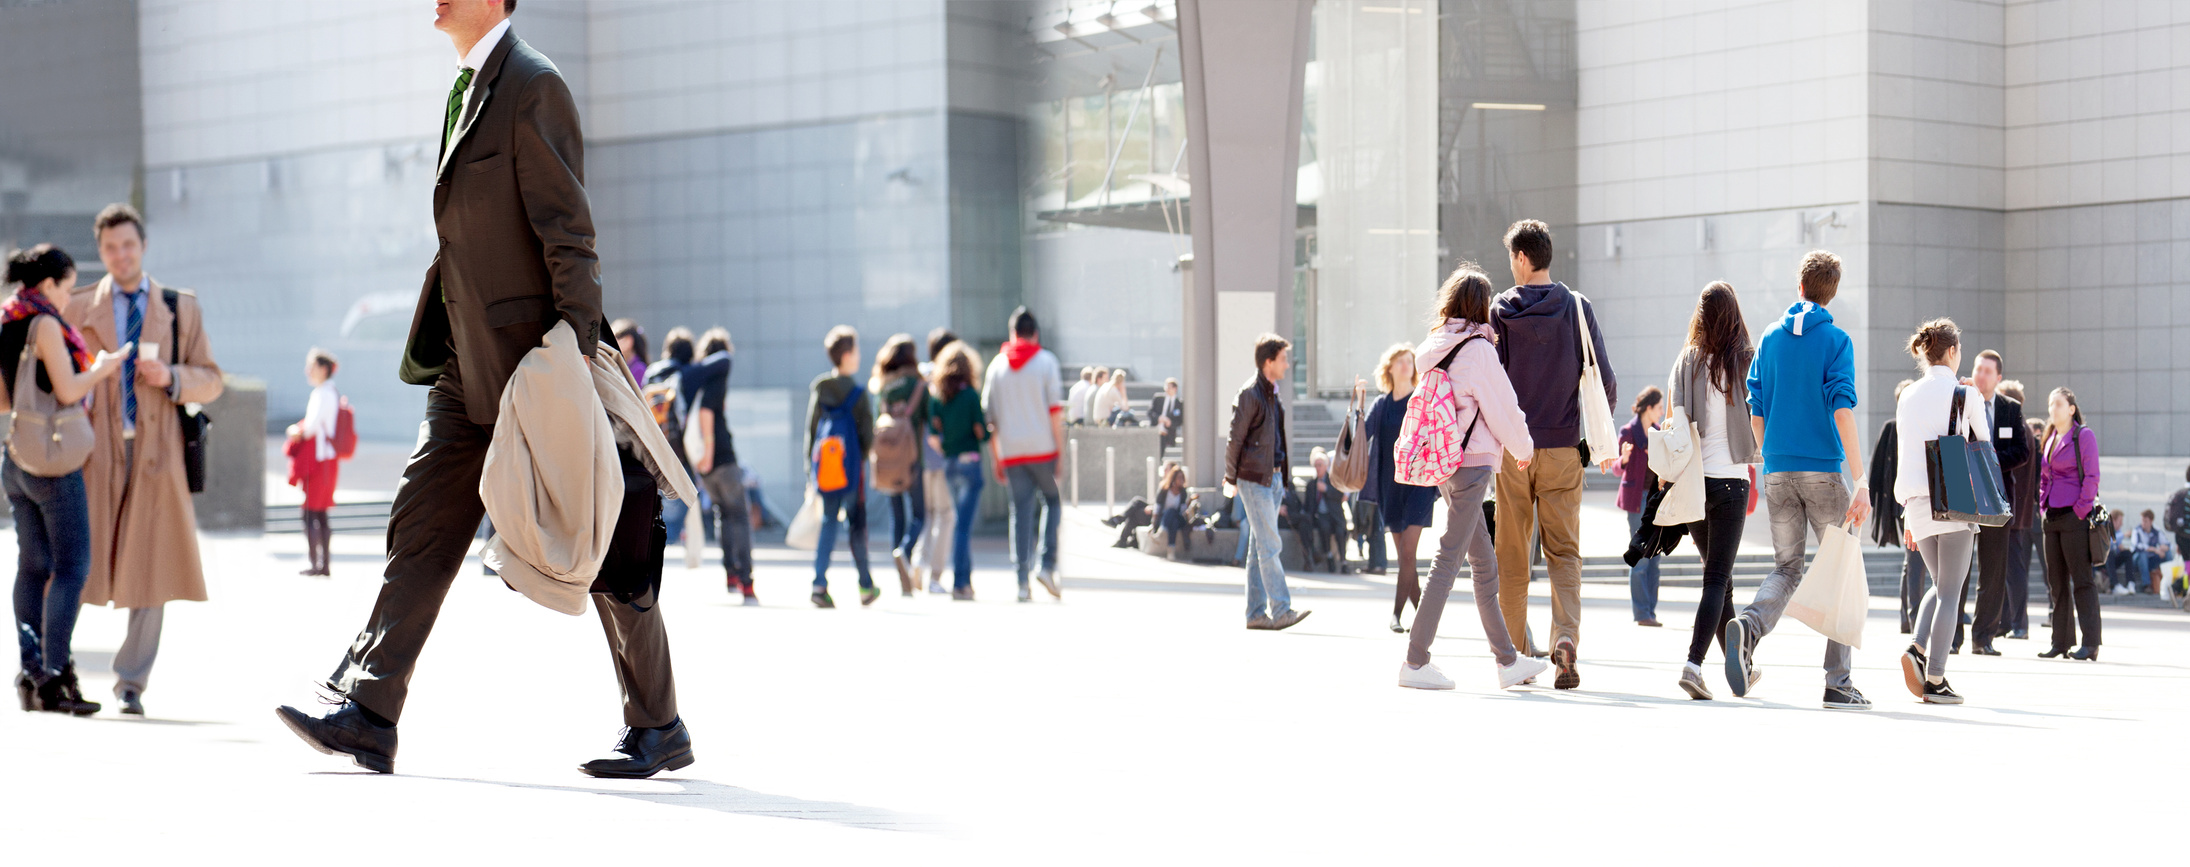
[456, 107]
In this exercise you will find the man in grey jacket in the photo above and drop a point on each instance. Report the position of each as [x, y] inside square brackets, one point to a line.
[1026, 410]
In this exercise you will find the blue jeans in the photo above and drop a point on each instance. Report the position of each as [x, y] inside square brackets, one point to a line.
[908, 514]
[2144, 562]
[1266, 590]
[1027, 482]
[965, 480]
[847, 505]
[53, 559]
[1239, 519]
[1642, 578]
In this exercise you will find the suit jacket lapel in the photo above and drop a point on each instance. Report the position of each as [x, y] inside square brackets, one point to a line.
[482, 86]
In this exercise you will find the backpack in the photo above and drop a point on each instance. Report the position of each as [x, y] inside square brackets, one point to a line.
[665, 399]
[1431, 443]
[345, 432]
[2178, 512]
[897, 444]
[836, 458]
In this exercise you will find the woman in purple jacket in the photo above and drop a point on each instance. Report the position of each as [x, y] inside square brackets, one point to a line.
[2068, 488]
[1636, 480]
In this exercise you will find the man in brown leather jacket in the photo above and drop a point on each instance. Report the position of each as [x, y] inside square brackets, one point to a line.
[1256, 468]
[516, 257]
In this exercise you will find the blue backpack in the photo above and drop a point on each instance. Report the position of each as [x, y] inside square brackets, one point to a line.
[837, 458]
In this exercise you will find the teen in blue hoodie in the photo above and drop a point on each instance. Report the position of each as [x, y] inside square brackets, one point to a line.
[1802, 411]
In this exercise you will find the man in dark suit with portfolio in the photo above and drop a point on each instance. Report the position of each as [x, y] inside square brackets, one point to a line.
[516, 256]
[2004, 419]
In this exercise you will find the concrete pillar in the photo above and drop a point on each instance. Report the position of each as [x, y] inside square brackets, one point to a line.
[1243, 158]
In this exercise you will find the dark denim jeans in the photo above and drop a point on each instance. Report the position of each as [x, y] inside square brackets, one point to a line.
[1718, 536]
[908, 515]
[965, 479]
[847, 506]
[1642, 578]
[53, 559]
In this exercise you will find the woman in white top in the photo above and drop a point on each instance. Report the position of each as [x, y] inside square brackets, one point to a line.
[1109, 399]
[1921, 417]
[1709, 382]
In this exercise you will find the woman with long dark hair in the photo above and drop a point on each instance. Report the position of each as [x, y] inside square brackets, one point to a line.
[1403, 509]
[959, 428]
[2068, 488]
[1464, 346]
[1709, 382]
[52, 516]
[897, 382]
[1925, 413]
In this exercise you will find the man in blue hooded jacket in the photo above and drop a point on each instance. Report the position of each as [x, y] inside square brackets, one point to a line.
[1802, 410]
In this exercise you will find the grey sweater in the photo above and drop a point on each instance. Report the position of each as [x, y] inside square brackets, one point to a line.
[1689, 383]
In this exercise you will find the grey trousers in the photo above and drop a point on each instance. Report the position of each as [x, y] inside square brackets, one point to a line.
[1800, 503]
[133, 662]
[1466, 536]
[1947, 556]
[726, 486]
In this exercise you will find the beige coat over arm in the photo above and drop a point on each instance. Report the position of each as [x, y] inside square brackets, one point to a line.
[144, 532]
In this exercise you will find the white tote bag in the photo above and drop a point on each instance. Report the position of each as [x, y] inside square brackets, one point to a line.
[1674, 457]
[1835, 595]
[804, 533]
[1597, 428]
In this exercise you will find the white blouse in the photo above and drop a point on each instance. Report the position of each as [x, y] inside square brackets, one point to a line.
[1920, 418]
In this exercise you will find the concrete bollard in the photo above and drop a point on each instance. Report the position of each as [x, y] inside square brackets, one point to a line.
[1152, 481]
[1110, 481]
[1073, 446]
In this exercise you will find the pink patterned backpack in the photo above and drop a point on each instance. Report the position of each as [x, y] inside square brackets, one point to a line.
[1431, 443]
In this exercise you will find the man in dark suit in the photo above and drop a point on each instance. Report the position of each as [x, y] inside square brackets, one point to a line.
[516, 257]
[2004, 422]
[1164, 414]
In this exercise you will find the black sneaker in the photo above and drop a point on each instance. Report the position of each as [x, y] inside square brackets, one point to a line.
[1845, 698]
[1940, 693]
[1913, 662]
[821, 599]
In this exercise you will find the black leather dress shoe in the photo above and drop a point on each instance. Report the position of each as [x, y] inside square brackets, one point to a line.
[646, 752]
[345, 732]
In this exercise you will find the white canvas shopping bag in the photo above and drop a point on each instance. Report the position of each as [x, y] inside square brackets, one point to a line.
[1835, 596]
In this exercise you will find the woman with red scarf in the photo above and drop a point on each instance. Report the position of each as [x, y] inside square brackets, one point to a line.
[52, 518]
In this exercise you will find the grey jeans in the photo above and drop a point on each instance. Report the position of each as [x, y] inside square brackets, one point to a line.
[1801, 504]
[1466, 536]
[1947, 555]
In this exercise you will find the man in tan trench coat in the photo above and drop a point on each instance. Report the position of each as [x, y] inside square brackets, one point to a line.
[144, 533]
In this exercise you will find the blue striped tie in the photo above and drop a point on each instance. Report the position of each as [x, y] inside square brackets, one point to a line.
[129, 365]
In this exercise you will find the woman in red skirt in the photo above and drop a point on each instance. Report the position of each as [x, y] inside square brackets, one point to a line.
[314, 459]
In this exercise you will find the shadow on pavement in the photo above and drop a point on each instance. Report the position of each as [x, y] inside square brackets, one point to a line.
[709, 795]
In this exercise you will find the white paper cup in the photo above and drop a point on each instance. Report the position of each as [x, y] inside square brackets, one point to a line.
[148, 350]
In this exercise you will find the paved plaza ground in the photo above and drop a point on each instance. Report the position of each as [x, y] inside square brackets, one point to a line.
[1133, 722]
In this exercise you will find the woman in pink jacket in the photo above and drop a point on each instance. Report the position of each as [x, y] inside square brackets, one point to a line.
[1462, 343]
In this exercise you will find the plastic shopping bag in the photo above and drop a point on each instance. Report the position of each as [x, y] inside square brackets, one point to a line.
[1834, 596]
[804, 533]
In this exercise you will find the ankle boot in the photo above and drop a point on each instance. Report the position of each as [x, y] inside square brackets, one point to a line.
[60, 694]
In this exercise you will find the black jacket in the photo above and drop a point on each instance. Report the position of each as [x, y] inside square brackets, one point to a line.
[1256, 450]
[2014, 449]
[1885, 510]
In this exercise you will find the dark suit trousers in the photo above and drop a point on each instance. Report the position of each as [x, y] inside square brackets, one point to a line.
[1992, 591]
[437, 509]
[2015, 612]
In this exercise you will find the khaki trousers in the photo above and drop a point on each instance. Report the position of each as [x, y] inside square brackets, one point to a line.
[1546, 496]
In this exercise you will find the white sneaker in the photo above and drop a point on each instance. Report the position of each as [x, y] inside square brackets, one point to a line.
[1426, 677]
[1522, 670]
[935, 585]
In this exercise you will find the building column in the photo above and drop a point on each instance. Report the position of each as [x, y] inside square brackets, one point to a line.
[1243, 155]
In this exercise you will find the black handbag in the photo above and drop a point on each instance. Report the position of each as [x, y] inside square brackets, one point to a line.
[192, 421]
[1965, 475]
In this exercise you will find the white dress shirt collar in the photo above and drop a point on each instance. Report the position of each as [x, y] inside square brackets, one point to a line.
[484, 47]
